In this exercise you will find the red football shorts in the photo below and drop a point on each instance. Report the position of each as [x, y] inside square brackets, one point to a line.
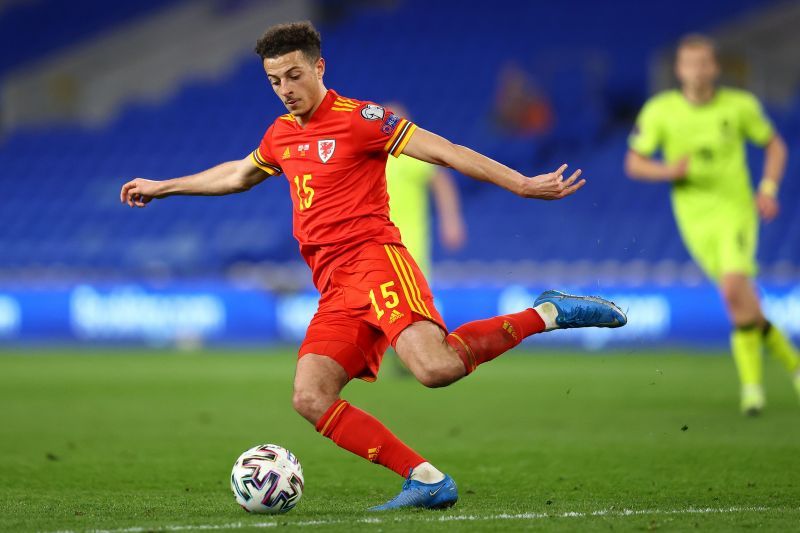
[367, 303]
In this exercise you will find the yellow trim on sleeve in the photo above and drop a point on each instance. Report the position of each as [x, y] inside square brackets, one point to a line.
[263, 165]
[397, 130]
[407, 137]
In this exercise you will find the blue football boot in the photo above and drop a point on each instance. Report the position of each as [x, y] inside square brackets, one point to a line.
[425, 495]
[583, 311]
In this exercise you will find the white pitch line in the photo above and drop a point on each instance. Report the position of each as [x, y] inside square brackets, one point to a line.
[445, 518]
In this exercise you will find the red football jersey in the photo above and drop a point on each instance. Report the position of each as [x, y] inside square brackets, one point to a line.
[336, 167]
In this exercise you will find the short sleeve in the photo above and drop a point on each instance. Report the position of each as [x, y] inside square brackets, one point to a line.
[262, 156]
[646, 136]
[756, 126]
[377, 128]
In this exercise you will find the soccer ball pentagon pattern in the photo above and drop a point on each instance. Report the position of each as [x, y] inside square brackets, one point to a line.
[267, 479]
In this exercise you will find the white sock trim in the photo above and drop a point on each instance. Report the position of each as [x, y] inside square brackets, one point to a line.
[549, 313]
[426, 473]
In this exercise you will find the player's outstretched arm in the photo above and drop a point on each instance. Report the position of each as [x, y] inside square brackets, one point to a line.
[643, 168]
[427, 146]
[226, 178]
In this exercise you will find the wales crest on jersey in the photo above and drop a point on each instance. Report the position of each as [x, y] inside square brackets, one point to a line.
[325, 149]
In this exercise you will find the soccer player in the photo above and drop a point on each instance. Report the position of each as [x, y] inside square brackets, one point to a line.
[409, 182]
[701, 130]
[333, 151]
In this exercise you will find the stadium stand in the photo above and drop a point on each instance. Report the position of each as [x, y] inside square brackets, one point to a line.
[33, 29]
[61, 211]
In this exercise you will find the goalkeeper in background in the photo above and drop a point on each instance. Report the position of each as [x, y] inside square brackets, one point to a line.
[701, 131]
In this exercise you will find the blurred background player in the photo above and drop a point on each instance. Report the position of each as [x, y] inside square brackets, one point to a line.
[410, 182]
[701, 130]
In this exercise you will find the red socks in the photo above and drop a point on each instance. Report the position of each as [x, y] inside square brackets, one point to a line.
[362, 434]
[483, 340]
[475, 342]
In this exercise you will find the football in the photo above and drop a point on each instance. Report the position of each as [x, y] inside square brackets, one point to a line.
[267, 479]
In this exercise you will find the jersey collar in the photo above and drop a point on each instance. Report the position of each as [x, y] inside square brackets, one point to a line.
[703, 104]
[323, 109]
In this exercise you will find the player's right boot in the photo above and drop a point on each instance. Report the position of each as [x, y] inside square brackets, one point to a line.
[581, 311]
[752, 402]
[439, 495]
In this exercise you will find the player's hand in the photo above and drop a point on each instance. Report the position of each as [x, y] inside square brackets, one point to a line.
[139, 192]
[768, 207]
[551, 186]
[678, 171]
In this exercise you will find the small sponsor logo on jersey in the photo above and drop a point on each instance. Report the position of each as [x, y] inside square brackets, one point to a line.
[390, 124]
[325, 149]
[373, 112]
[302, 148]
[286, 154]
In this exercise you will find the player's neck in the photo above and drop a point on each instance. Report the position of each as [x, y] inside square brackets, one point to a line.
[305, 117]
[699, 95]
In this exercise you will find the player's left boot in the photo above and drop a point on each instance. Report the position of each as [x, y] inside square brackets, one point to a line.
[439, 495]
[582, 311]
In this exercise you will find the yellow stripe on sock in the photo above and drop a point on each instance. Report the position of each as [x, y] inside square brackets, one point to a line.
[333, 415]
[467, 350]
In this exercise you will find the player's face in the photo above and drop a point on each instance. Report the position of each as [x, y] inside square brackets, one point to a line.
[696, 67]
[296, 80]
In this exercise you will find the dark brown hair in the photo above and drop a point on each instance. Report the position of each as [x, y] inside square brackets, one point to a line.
[285, 38]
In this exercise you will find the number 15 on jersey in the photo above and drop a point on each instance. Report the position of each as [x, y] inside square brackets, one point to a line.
[305, 194]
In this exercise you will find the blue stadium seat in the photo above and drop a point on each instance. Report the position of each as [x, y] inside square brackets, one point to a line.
[62, 205]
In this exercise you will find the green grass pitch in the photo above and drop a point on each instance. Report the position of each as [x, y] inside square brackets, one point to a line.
[144, 441]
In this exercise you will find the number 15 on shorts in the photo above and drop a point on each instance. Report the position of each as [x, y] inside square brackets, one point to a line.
[390, 299]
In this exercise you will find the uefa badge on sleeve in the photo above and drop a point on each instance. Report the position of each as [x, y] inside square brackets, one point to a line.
[325, 149]
[373, 112]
